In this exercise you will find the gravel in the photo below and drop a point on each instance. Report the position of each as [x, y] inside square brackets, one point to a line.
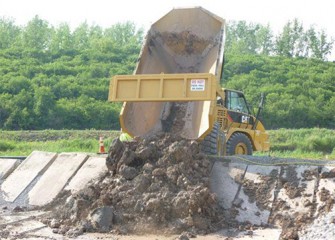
[322, 228]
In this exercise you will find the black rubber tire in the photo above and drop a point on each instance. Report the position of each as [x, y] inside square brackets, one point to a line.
[239, 143]
[214, 142]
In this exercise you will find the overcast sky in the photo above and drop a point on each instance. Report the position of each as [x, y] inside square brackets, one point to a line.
[143, 13]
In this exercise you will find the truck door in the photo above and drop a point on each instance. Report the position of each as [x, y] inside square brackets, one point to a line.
[238, 109]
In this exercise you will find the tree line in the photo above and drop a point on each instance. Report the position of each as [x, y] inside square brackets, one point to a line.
[55, 78]
[300, 93]
[292, 41]
[58, 78]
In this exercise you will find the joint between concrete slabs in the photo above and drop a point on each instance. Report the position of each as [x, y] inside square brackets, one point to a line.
[74, 174]
[33, 182]
[240, 184]
[276, 192]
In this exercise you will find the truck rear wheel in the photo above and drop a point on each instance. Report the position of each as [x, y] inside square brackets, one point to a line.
[214, 142]
[239, 144]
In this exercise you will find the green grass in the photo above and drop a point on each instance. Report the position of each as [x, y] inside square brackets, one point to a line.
[22, 143]
[312, 143]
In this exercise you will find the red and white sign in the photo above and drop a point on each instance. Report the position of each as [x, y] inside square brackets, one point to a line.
[198, 84]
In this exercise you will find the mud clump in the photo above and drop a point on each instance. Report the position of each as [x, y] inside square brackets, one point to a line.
[184, 42]
[325, 197]
[156, 185]
[260, 192]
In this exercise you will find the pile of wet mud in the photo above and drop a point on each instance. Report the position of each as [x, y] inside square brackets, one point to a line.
[156, 185]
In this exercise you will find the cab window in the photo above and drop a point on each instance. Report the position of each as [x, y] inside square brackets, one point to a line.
[235, 101]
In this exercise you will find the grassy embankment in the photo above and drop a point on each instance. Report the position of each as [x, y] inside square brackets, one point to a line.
[22, 143]
[299, 143]
[313, 143]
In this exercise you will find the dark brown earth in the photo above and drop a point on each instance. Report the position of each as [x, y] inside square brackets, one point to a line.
[159, 184]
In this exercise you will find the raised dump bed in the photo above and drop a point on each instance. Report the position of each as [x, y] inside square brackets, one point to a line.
[186, 40]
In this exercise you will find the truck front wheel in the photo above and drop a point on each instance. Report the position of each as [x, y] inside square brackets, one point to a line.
[239, 144]
[214, 143]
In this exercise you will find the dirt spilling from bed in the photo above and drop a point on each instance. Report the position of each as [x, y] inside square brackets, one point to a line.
[159, 184]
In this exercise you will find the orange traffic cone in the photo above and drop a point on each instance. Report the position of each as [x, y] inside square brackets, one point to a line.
[101, 146]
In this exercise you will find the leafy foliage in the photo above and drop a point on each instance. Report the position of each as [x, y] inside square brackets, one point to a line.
[300, 93]
[292, 41]
[57, 78]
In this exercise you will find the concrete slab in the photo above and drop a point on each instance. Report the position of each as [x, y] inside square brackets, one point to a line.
[55, 178]
[222, 177]
[47, 233]
[257, 194]
[91, 170]
[296, 193]
[261, 234]
[326, 190]
[7, 166]
[18, 229]
[12, 218]
[258, 234]
[25, 173]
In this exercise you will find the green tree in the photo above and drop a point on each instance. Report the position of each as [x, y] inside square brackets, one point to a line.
[244, 38]
[21, 115]
[81, 37]
[36, 34]
[62, 41]
[44, 105]
[264, 38]
[319, 45]
[292, 41]
[9, 32]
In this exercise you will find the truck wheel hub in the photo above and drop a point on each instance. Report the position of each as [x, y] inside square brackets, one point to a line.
[241, 149]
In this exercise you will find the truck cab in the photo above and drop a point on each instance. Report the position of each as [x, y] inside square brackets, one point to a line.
[238, 122]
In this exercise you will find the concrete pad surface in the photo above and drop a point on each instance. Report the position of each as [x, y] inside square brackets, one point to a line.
[22, 227]
[222, 178]
[307, 187]
[12, 218]
[55, 178]
[257, 194]
[91, 170]
[25, 173]
[295, 194]
[258, 234]
[326, 190]
[255, 172]
[7, 166]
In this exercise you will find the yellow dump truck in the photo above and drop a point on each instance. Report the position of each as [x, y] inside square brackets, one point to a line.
[175, 87]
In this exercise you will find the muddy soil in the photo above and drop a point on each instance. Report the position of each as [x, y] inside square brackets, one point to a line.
[156, 185]
[184, 42]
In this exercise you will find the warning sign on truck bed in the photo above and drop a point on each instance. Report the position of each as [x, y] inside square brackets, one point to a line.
[198, 85]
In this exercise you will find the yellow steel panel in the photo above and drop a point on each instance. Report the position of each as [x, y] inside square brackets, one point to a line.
[149, 88]
[163, 87]
[126, 89]
[173, 89]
